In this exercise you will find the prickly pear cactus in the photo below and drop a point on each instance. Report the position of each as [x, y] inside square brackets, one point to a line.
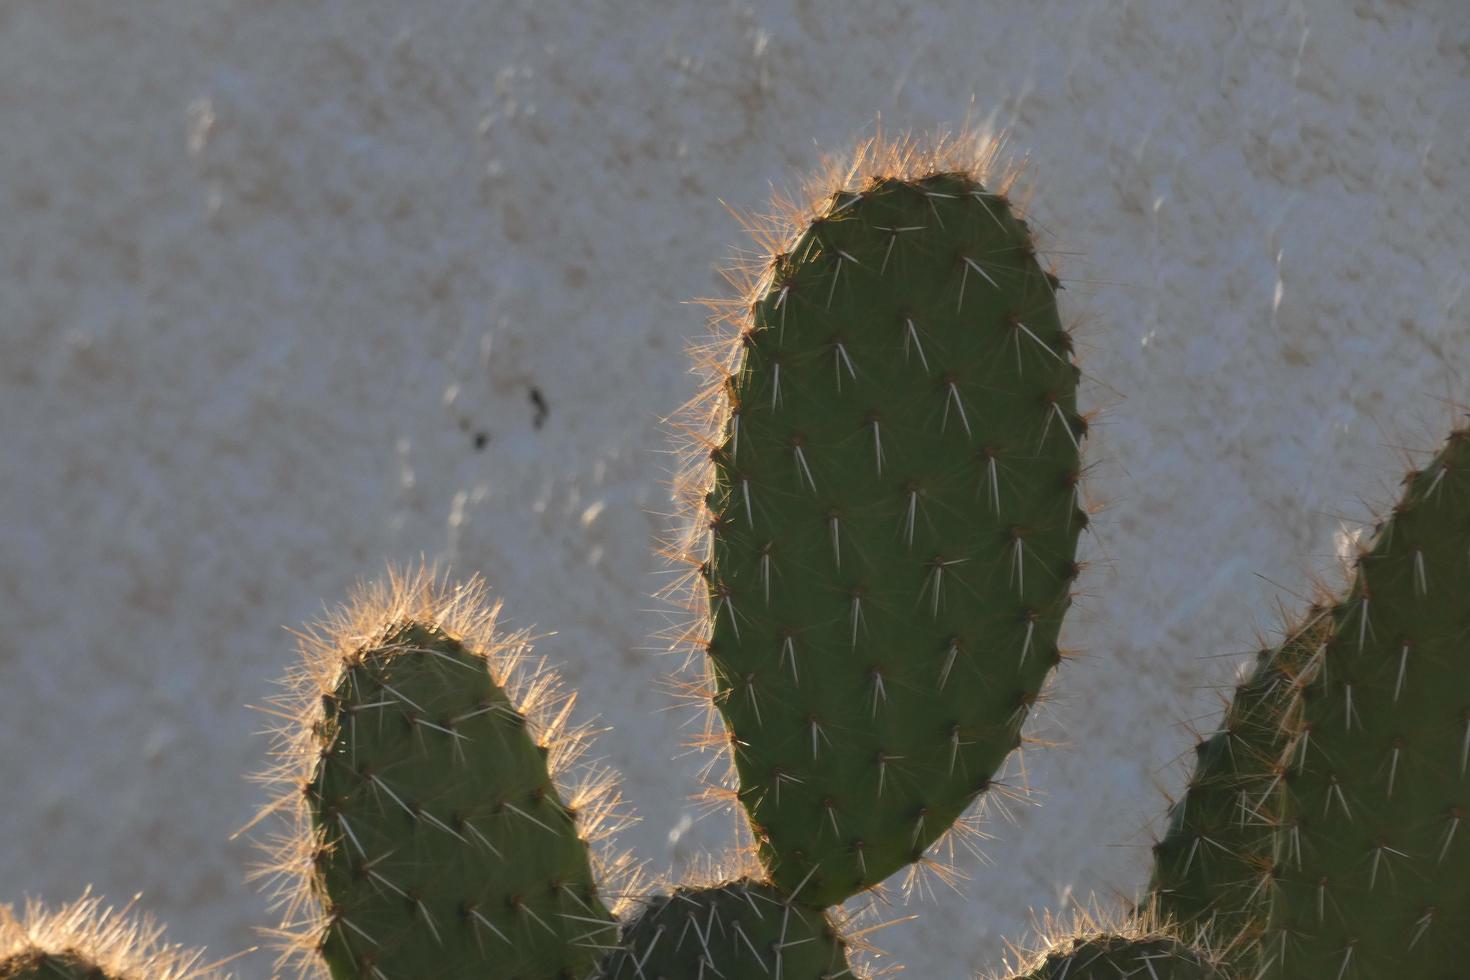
[736, 930]
[894, 516]
[1364, 870]
[443, 845]
[84, 941]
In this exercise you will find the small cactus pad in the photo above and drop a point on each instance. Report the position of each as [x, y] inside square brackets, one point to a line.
[84, 941]
[440, 843]
[1114, 957]
[739, 930]
[894, 510]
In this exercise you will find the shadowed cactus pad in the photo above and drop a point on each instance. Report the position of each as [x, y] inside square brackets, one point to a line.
[84, 941]
[443, 845]
[739, 930]
[895, 516]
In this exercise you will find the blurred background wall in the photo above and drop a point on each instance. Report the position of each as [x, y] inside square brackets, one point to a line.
[288, 290]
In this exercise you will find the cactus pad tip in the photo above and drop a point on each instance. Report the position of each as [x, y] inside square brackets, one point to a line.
[1089, 945]
[83, 940]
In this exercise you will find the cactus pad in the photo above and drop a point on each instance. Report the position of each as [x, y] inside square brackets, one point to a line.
[894, 518]
[84, 941]
[1112, 957]
[739, 930]
[443, 845]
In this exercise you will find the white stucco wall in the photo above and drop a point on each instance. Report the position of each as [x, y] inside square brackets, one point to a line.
[267, 269]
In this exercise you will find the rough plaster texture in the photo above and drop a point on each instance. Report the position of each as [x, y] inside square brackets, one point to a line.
[269, 270]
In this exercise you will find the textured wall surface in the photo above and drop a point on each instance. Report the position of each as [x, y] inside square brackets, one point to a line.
[290, 289]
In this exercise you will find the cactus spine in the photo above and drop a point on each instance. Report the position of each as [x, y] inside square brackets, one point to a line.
[893, 516]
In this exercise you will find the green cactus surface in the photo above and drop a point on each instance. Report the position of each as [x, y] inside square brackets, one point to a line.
[738, 930]
[1364, 870]
[1213, 861]
[1116, 957]
[447, 851]
[895, 519]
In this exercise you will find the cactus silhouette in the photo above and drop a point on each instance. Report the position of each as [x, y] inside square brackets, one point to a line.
[879, 529]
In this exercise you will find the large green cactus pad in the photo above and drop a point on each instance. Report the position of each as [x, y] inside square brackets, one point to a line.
[1116, 957]
[739, 930]
[448, 850]
[895, 522]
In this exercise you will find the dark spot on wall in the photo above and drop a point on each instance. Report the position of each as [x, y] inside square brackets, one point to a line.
[482, 439]
[538, 402]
